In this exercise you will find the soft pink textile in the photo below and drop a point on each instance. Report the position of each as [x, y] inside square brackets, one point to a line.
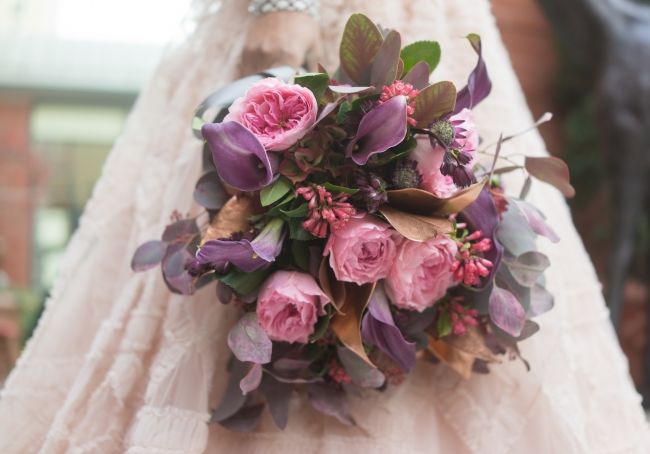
[119, 365]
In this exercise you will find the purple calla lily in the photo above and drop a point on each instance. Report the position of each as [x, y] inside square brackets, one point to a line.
[378, 328]
[246, 255]
[380, 129]
[239, 157]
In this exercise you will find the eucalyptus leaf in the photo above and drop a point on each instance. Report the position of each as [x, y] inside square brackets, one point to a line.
[209, 193]
[148, 255]
[248, 341]
[553, 171]
[252, 379]
[506, 312]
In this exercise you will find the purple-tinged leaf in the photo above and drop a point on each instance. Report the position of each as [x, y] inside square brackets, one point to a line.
[245, 420]
[209, 193]
[536, 220]
[482, 215]
[528, 267]
[328, 109]
[252, 379]
[330, 401]
[380, 129]
[248, 341]
[239, 157]
[359, 45]
[304, 378]
[386, 62]
[541, 301]
[290, 364]
[506, 280]
[148, 255]
[224, 293]
[349, 89]
[506, 312]
[183, 229]
[246, 255]
[233, 399]
[427, 52]
[278, 396]
[479, 84]
[553, 171]
[530, 328]
[433, 102]
[418, 76]
[514, 232]
[174, 269]
[360, 371]
[378, 328]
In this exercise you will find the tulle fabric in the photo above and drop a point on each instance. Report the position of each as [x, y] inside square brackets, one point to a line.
[118, 364]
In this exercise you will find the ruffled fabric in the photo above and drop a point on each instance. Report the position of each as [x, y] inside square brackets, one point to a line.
[118, 364]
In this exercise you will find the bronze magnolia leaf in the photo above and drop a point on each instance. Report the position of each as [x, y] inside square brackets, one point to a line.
[347, 324]
[414, 226]
[419, 201]
[232, 218]
[333, 288]
[461, 362]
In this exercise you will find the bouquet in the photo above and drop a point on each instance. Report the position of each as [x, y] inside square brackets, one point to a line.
[351, 223]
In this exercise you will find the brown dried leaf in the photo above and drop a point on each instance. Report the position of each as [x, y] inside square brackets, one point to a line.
[458, 360]
[422, 202]
[473, 344]
[416, 227]
[333, 288]
[553, 171]
[347, 324]
[232, 218]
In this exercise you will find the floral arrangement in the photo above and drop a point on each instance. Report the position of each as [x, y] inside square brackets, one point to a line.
[350, 222]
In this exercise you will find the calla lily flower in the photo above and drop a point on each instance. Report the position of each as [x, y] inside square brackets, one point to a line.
[246, 255]
[378, 328]
[239, 157]
[380, 129]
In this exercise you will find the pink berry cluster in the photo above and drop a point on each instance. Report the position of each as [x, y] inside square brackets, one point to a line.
[337, 373]
[470, 265]
[325, 210]
[399, 88]
[461, 318]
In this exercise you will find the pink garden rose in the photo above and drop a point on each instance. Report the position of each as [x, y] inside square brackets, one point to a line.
[277, 113]
[362, 250]
[288, 306]
[421, 273]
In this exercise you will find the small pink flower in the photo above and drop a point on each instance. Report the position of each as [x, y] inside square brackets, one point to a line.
[363, 250]
[277, 113]
[466, 135]
[288, 306]
[470, 265]
[429, 160]
[325, 210]
[399, 88]
[421, 273]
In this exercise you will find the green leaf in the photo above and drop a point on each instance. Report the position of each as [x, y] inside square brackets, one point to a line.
[277, 209]
[300, 254]
[344, 109]
[275, 192]
[433, 102]
[443, 324]
[245, 283]
[360, 43]
[297, 232]
[394, 153]
[299, 212]
[316, 82]
[321, 328]
[335, 188]
[426, 51]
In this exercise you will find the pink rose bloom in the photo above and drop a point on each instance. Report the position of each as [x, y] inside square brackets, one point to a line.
[289, 305]
[362, 250]
[429, 160]
[277, 113]
[421, 273]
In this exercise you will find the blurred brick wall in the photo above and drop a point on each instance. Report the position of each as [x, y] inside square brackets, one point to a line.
[529, 38]
[18, 179]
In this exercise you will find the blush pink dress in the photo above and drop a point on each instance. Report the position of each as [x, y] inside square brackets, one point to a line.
[118, 364]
